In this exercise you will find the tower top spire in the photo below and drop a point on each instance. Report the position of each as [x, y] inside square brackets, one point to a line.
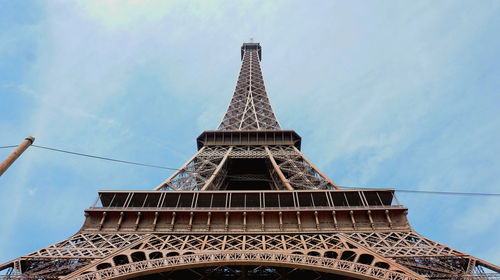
[251, 46]
[250, 108]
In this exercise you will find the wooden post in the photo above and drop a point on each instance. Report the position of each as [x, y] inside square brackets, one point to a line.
[16, 153]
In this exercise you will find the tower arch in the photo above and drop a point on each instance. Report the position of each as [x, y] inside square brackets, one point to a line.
[271, 260]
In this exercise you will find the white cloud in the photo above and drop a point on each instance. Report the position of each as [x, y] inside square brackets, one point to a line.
[114, 13]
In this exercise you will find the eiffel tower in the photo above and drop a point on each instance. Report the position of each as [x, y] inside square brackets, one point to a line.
[248, 205]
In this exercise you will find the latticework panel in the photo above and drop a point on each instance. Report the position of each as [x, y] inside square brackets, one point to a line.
[299, 173]
[268, 261]
[43, 268]
[197, 171]
[249, 108]
[327, 250]
[402, 244]
[395, 249]
[208, 168]
[68, 255]
[423, 255]
[438, 267]
[86, 246]
[248, 152]
[303, 243]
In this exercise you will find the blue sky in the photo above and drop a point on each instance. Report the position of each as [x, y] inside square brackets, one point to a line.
[398, 94]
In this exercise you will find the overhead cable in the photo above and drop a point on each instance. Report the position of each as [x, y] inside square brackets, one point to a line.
[243, 177]
[5, 147]
[105, 158]
[426, 192]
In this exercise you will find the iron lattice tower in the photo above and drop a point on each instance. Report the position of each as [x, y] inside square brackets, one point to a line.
[248, 205]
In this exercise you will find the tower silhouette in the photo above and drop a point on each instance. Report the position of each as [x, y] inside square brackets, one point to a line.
[248, 205]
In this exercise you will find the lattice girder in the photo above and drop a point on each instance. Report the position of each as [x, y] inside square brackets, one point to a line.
[423, 255]
[197, 171]
[250, 108]
[299, 172]
[68, 255]
[314, 265]
[332, 253]
[399, 244]
[409, 249]
[210, 161]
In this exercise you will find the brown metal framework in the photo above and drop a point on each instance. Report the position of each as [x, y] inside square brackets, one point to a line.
[248, 205]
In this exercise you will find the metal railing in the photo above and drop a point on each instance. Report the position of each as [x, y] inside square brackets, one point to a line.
[249, 200]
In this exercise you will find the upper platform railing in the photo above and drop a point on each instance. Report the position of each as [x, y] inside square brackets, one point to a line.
[248, 200]
[248, 138]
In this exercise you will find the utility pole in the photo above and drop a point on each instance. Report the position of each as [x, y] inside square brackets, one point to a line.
[16, 153]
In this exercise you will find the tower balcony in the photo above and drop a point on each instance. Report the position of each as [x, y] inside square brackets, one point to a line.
[251, 46]
[246, 211]
[248, 138]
